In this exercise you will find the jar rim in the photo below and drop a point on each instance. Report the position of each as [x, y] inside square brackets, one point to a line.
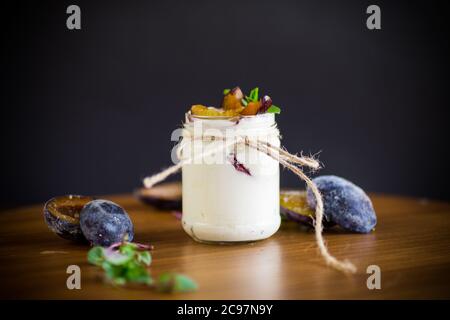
[256, 122]
[189, 117]
[195, 116]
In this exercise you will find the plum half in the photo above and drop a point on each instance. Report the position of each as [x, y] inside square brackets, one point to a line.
[165, 196]
[294, 206]
[344, 203]
[62, 215]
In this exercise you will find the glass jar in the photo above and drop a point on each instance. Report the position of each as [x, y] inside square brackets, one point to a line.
[230, 192]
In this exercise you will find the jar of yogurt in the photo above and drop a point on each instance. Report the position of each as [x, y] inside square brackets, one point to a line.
[230, 191]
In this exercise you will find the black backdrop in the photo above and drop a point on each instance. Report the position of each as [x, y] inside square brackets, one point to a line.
[91, 111]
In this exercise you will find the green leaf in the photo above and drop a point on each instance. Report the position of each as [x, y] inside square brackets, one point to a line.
[136, 272]
[145, 257]
[254, 94]
[184, 284]
[274, 109]
[144, 279]
[128, 262]
[128, 248]
[112, 272]
[95, 256]
[244, 102]
[119, 281]
[117, 258]
[175, 282]
[226, 91]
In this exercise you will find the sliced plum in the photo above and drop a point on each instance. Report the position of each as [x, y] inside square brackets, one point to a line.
[62, 215]
[266, 103]
[294, 206]
[232, 100]
[200, 110]
[252, 108]
[165, 196]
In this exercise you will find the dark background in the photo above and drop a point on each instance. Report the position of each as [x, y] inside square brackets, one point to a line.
[91, 111]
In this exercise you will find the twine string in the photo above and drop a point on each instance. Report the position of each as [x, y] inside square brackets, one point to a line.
[290, 161]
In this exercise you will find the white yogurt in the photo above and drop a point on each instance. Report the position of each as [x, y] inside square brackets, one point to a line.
[231, 195]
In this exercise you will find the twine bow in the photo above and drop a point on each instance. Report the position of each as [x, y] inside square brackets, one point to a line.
[288, 160]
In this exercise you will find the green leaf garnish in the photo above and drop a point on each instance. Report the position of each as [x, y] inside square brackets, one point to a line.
[145, 258]
[254, 95]
[128, 262]
[117, 258]
[123, 263]
[175, 282]
[273, 109]
[128, 248]
[226, 91]
[95, 256]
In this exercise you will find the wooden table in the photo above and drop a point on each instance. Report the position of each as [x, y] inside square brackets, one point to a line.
[411, 245]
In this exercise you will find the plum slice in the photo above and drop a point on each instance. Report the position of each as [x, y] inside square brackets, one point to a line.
[294, 206]
[62, 215]
[266, 103]
[165, 196]
[232, 100]
[252, 108]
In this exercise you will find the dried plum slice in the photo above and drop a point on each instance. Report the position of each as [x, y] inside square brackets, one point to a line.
[62, 215]
[266, 103]
[165, 196]
[252, 108]
[232, 100]
[294, 207]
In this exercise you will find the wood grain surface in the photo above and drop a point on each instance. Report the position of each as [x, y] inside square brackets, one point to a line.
[411, 245]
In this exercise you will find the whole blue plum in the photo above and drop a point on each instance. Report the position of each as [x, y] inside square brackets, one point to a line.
[344, 203]
[103, 223]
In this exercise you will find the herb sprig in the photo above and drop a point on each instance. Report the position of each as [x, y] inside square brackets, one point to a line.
[128, 262]
[253, 96]
[274, 109]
